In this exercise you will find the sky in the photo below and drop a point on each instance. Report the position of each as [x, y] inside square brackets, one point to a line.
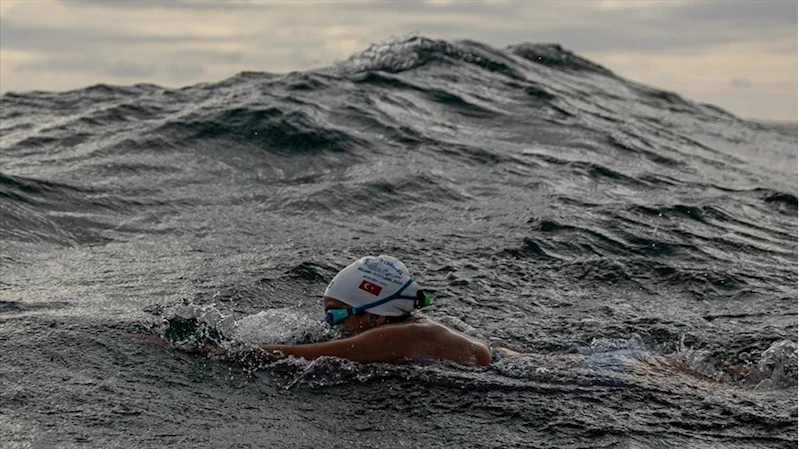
[739, 55]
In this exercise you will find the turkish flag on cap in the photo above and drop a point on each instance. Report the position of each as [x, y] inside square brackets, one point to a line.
[370, 288]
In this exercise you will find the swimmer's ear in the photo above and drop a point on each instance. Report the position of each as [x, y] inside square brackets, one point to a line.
[378, 320]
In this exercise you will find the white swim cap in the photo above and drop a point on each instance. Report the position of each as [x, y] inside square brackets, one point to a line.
[371, 279]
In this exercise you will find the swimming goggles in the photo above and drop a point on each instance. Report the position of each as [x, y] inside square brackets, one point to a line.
[336, 316]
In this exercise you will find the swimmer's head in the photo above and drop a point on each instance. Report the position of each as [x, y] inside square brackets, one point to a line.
[379, 286]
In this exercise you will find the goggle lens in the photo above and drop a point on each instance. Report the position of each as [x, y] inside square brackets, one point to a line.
[336, 316]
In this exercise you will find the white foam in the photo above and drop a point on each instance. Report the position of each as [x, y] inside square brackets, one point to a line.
[279, 326]
[396, 55]
[272, 326]
[778, 364]
[207, 314]
[600, 345]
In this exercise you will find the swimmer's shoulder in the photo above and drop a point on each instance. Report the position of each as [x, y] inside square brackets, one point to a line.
[412, 327]
[426, 338]
[425, 327]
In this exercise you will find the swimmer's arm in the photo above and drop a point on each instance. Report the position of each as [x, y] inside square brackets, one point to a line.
[391, 344]
[349, 348]
[379, 345]
[382, 345]
[385, 344]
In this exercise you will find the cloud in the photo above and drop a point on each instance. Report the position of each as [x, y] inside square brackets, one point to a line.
[172, 5]
[673, 44]
[128, 71]
[582, 26]
[741, 82]
[55, 64]
[185, 71]
[124, 69]
[742, 14]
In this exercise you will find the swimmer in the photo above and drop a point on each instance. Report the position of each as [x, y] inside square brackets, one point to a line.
[372, 301]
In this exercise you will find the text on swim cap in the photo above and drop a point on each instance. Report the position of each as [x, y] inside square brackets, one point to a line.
[384, 267]
[379, 275]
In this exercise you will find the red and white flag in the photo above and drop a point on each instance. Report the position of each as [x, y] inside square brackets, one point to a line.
[370, 288]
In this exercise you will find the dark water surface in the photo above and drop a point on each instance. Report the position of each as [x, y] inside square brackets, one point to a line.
[545, 202]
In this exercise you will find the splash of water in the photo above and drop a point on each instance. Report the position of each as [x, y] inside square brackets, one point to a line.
[280, 326]
[196, 325]
[400, 54]
[778, 365]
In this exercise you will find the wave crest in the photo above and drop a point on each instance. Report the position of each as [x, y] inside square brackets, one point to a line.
[412, 51]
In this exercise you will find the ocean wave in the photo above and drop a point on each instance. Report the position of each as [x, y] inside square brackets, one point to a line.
[270, 129]
[541, 199]
[414, 51]
[555, 56]
[45, 211]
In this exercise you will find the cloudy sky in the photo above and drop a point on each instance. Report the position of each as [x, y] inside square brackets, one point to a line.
[740, 55]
